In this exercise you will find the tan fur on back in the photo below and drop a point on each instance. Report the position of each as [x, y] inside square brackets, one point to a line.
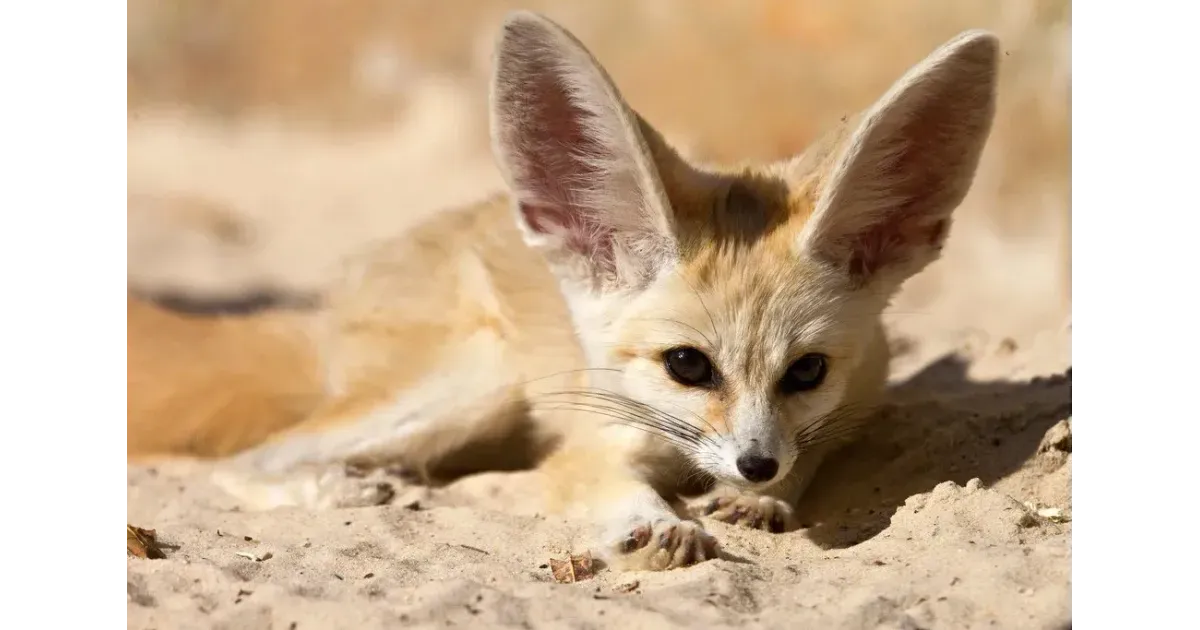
[406, 302]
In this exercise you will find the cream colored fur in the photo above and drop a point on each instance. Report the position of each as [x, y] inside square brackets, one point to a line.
[560, 301]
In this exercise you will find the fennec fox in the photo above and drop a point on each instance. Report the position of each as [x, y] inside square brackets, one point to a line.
[674, 323]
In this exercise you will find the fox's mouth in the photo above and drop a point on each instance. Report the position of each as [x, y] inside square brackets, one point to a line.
[743, 484]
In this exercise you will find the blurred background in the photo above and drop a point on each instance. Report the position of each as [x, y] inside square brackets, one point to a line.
[268, 138]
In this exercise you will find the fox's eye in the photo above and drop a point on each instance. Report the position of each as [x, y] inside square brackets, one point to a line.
[805, 373]
[689, 367]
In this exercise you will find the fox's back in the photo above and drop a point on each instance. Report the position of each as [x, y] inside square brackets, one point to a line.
[421, 301]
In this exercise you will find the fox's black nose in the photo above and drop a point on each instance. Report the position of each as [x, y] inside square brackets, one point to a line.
[756, 468]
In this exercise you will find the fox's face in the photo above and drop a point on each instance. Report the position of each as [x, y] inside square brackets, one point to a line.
[750, 344]
[731, 313]
[752, 349]
[756, 368]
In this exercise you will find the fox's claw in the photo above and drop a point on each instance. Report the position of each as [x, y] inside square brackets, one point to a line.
[753, 511]
[665, 545]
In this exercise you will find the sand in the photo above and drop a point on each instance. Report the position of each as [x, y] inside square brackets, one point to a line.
[931, 521]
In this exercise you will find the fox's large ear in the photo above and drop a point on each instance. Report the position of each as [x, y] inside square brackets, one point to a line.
[884, 211]
[586, 188]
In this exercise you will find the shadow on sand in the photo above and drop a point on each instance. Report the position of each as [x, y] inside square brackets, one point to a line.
[939, 426]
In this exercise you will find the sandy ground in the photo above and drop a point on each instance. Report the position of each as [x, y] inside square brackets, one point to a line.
[931, 521]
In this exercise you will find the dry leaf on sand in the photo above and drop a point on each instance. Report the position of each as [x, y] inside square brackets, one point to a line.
[573, 569]
[142, 543]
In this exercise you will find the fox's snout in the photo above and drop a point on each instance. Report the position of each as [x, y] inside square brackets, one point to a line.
[757, 468]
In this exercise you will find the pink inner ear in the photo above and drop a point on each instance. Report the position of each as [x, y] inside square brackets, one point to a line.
[920, 177]
[893, 240]
[577, 233]
[558, 155]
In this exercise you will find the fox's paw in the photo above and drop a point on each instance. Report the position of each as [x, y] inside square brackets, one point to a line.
[346, 488]
[750, 510]
[664, 544]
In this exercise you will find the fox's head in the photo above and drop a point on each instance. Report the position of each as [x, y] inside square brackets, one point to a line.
[734, 309]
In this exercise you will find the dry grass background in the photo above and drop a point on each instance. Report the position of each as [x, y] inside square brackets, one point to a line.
[269, 137]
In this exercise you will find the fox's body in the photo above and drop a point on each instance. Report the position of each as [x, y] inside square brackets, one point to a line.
[679, 327]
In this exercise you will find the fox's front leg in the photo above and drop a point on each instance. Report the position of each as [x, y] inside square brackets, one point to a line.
[773, 509]
[637, 528]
